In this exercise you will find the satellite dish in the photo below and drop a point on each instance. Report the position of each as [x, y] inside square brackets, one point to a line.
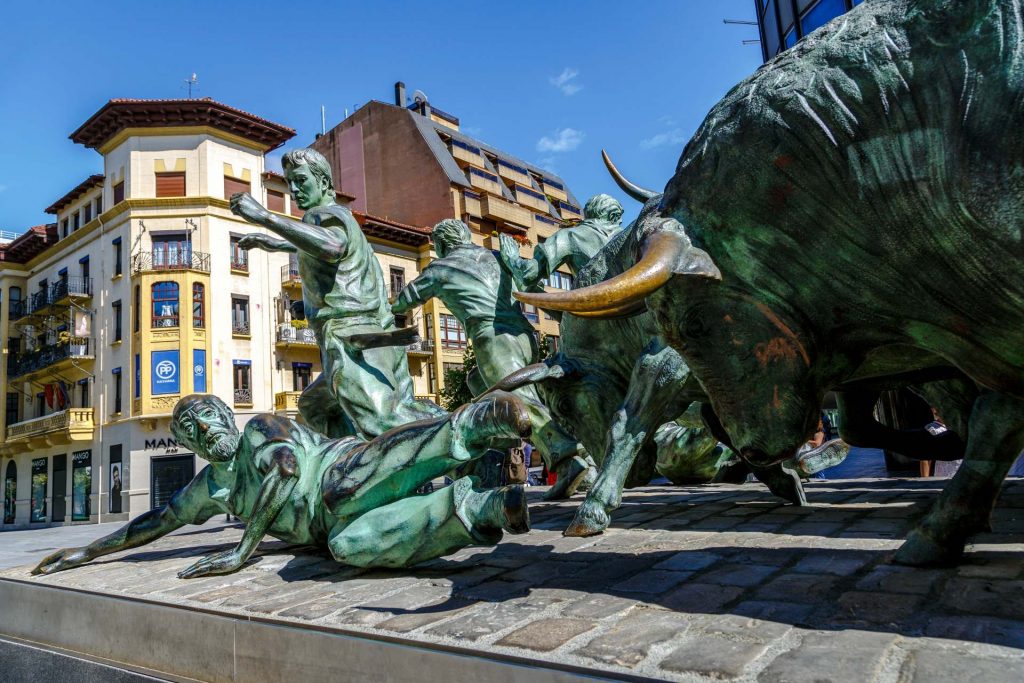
[419, 96]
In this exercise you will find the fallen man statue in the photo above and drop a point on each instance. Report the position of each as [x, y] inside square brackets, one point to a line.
[355, 497]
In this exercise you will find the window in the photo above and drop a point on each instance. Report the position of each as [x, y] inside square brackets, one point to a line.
[10, 492]
[171, 251]
[553, 343]
[14, 307]
[170, 184]
[86, 213]
[198, 305]
[116, 480]
[235, 185]
[118, 258]
[117, 320]
[432, 378]
[64, 228]
[11, 412]
[243, 382]
[137, 313]
[99, 205]
[116, 372]
[239, 315]
[401, 320]
[302, 375]
[821, 14]
[40, 467]
[275, 201]
[239, 256]
[118, 192]
[83, 393]
[165, 304]
[397, 280]
[84, 265]
[453, 334]
[296, 211]
[75, 221]
[560, 280]
[40, 404]
[530, 311]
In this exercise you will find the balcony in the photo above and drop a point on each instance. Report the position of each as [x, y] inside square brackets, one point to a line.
[471, 203]
[243, 397]
[73, 424]
[287, 403]
[423, 347]
[516, 174]
[240, 328]
[288, 335]
[77, 348]
[240, 262]
[531, 198]
[162, 261]
[553, 188]
[569, 211]
[466, 153]
[69, 288]
[485, 180]
[499, 209]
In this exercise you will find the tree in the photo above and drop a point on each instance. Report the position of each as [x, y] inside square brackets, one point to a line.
[456, 391]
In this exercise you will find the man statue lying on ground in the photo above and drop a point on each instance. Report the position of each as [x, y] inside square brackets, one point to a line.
[355, 497]
[365, 388]
[470, 281]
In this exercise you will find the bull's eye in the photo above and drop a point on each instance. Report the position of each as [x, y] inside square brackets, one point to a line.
[694, 326]
[564, 405]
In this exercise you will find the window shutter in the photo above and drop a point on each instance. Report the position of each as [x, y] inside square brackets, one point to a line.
[119, 192]
[275, 201]
[170, 184]
[234, 186]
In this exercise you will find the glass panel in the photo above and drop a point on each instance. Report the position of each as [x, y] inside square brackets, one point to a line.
[81, 486]
[786, 17]
[822, 13]
[771, 31]
[791, 38]
[39, 480]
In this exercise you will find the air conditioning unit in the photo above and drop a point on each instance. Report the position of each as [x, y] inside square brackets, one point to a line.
[286, 332]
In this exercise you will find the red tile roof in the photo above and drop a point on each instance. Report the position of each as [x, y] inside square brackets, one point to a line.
[274, 175]
[118, 114]
[83, 187]
[387, 229]
[29, 244]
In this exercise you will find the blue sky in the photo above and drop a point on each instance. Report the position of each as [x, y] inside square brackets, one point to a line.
[550, 82]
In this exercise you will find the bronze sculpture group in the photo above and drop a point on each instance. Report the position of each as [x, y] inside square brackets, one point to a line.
[847, 219]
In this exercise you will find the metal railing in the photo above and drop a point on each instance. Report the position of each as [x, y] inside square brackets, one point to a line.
[71, 286]
[290, 273]
[422, 346]
[24, 363]
[296, 335]
[65, 419]
[185, 259]
[240, 262]
[240, 327]
[243, 397]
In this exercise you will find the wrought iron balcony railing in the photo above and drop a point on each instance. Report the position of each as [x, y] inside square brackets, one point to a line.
[240, 262]
[290, 273]
[71, 287]
[24, 363]
[240, 327]
[146, 261]
[243, 397]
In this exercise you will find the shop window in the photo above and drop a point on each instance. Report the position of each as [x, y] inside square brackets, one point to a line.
[81, 486]
[40, 478]
[10, 493]
[165, 304]
[116, 484]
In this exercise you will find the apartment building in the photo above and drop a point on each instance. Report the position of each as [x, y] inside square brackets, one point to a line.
[411, 163]
[138, 294]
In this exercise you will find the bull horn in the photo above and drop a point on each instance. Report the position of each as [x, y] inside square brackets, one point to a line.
[531, 374]
[635, 191]
[627, 311]
[665, 253]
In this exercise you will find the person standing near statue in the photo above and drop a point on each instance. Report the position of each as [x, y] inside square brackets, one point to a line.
[471, 283]
[602, 219]
[365, 388]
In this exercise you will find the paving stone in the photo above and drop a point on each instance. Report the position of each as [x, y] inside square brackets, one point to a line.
[628, 642]
[598, 606]
[813, 528]
[651, 581]
[1007, 632]
[930, 666]
[894, 579]
[699, 597]
[839, 564]
[985, 596]
[786, 612]
[688, 561]
[311, 611]
[797, 588]
[486, 618]
[839, 657]
[713, 657]
[877, 608]
[991, 568]
[424, 616]
[547, 634]
[495, 591]
[737, 574]
[737, 627]
[405, 601]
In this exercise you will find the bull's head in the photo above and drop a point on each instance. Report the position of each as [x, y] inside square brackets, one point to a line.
[753, 358]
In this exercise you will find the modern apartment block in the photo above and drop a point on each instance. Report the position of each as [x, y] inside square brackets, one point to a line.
[138, 294]
[783, 22]
[411, 163]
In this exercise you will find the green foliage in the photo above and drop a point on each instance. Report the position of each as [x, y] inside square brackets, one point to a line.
[456, 391]
[544, 342]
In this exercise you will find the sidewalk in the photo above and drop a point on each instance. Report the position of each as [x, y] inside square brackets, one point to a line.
[691, 583]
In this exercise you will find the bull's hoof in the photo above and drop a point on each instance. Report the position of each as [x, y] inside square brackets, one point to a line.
[569, 477]
[591, 519]
[920, 550]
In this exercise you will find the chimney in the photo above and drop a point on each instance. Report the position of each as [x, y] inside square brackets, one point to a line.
[400, 94]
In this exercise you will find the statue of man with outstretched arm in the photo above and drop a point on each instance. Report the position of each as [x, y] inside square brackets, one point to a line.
[355, 497]
[364, 389]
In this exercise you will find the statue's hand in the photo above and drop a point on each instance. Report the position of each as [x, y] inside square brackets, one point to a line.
[61, 560]
[255, 240]
[509, 250]
[245, 205]
[224, 562]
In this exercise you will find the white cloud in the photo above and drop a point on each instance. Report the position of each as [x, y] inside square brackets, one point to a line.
[548, 164]
[566, 81]
[564, 140]
[676, 136]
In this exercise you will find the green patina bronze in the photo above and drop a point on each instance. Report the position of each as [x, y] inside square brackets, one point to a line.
[351, 496]
[849, 218]
[365, 388]
[471, 283]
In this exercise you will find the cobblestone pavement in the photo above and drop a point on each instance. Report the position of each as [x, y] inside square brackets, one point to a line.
[690, 583]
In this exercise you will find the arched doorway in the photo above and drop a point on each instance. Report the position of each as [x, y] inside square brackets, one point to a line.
[10, 492]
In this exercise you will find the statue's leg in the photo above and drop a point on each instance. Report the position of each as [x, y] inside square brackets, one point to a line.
[965, 505]
[395, 464]
[783, 481]
[320, 411]
[655, 396]
[422, 528]
[858, 427]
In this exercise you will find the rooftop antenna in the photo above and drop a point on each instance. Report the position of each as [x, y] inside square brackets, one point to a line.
[192, 83]
[744, 22]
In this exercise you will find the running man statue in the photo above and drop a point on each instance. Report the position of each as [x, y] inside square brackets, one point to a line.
[365, 388]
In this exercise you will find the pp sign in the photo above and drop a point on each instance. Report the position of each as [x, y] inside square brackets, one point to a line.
[166, 377]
